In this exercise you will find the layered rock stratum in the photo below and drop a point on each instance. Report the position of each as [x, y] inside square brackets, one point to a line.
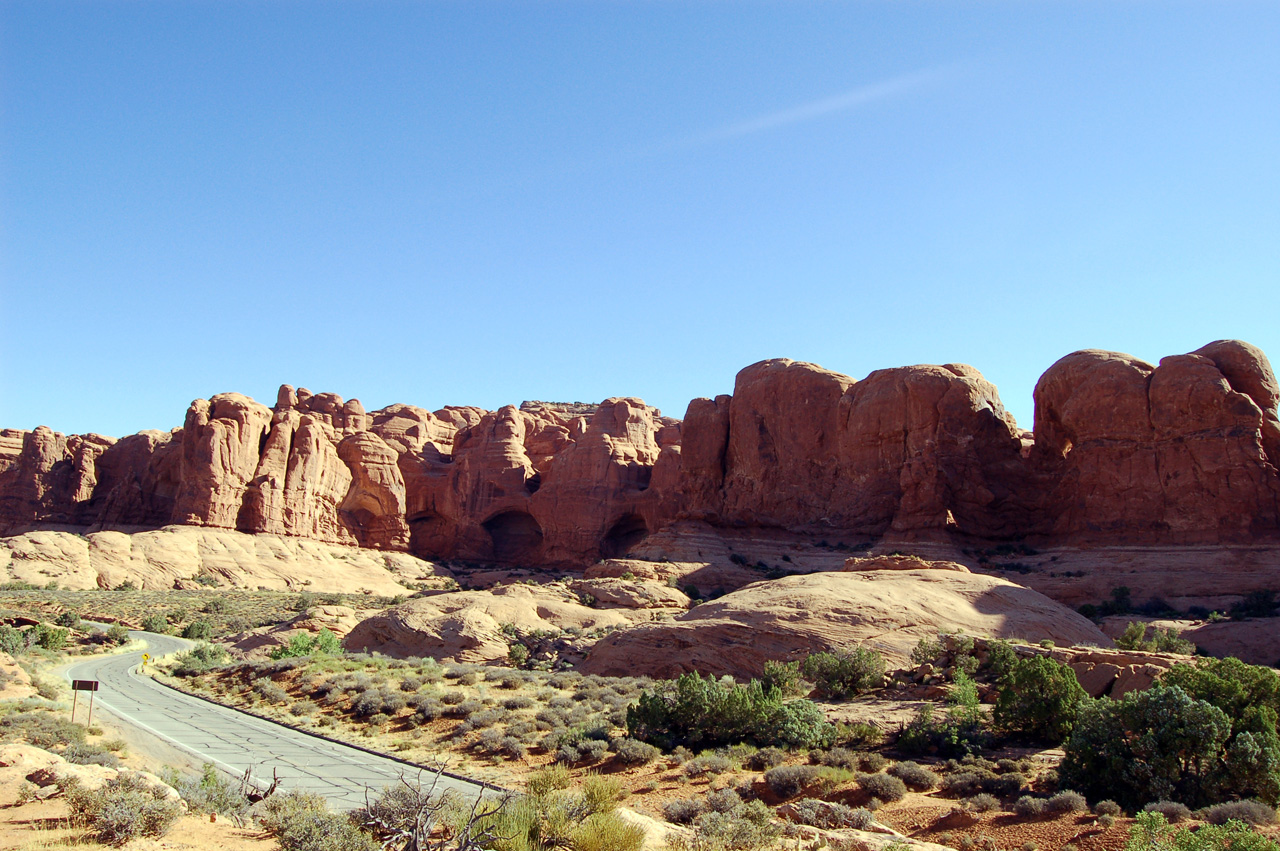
[1124, 454]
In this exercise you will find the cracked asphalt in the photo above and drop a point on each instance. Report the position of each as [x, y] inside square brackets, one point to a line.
[234, 741]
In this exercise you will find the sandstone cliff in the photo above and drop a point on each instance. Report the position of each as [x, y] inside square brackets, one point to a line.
[1123, 453]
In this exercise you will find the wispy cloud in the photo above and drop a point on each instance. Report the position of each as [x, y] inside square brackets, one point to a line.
[852, 99]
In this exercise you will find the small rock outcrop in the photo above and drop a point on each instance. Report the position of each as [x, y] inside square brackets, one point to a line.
[887, 610]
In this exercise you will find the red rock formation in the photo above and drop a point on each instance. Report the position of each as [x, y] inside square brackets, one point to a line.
[916, 450]
[1123, 452]
[1131, 453]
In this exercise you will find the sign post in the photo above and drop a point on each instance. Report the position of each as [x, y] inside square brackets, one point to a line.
[78, 686]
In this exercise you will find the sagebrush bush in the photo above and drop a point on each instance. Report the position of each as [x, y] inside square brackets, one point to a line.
[42, 729]
[631, 751]
[125, 808]
[1107, 808]
[1249, 812]
[1066, 802]
[683, 810]
[1171, 810]
[982, 803]
[787, 781]
[916, 776]
[766, 758]
[85, 754]
[1029, 807]
[723, 800]
[886, 787]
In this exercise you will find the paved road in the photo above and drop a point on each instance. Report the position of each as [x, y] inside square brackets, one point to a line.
[234, 741]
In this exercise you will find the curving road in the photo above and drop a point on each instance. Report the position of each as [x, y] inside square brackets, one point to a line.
[235, 741]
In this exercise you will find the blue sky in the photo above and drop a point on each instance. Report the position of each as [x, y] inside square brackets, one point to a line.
[480, 203]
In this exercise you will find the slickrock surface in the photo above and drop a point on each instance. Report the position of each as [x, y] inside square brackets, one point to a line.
[259, 642]
[467, 626]
[1124, 454]
[176, 555]
[888, 610]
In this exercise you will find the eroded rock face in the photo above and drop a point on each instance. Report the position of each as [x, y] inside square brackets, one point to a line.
[1175, 453]
[1123, 453]
[888, 610]
[913, 451]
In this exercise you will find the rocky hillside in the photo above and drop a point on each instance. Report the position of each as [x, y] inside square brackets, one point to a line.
[1123, 453]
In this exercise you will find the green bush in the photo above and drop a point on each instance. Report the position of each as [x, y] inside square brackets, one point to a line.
[156, 623]
[323, 643]
[42, 729]
[702, 713]
[926, 650]
[787, 781]
[1152, 832]
[51, 637]
[200, 660]
[914, 775]
[1000, 657]
[1163, 744]
[117, 634]
[1162, 640]
[748, 827]
[198, 631]
[634, 752]
[830, 816]
[844, 672]
[1038, 698]
[1171, 810]
[783, 676]
[69, 619]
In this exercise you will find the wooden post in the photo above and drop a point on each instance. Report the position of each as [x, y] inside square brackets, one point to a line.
[90, 724]
[75, 700]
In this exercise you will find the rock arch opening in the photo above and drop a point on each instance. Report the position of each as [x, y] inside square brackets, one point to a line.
[624, 535]
[515, 536]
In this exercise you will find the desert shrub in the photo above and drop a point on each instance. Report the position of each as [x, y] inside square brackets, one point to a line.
[270, 691]
[1163, 744]
[86, 754]
[914, 775]
[1029, 807]
[723, 800]
[322, 831]
[1249, 812]
[787, 781]
[156, 622]
[198, 631]
[69, 619]
[844, 672]
[126, 807]
[380, 701]
[683, 810]
[830, 816]
[1107, 808]
[1171, 810]
[1162, 640]
[982, 803]
[707, 713]
[964, 784]
[766, 758]
[1066, 802]
[708, 763]
[783, 676]
[886, 787]
[200, 660]
[749, 827]
[634, 752]
[1000, 657]
[850, 760]
[960, 731]
[1152, 832]
[117, 634]
[518, 703]
[549, 779]
[1038, 698]
[211, 792]
[926, 650]
[585, 750]
[42, 729]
